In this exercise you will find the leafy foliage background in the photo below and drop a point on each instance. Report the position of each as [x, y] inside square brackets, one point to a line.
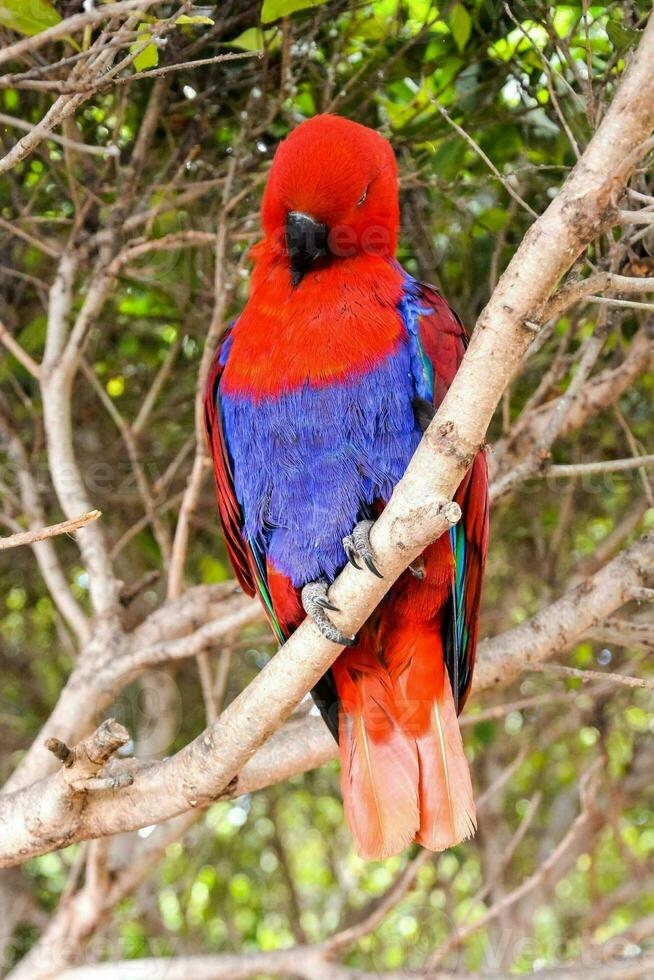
[277, 868]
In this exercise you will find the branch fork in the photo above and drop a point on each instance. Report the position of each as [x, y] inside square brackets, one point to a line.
[83, 765]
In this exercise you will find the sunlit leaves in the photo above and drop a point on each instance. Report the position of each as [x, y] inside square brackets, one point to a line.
[274, 9]
[193, 19]
[254, 39]
[29, 17]
[148, 56]
[457, 221]
[213, 570]
[460, 25]
[623, 38]
[116, 386]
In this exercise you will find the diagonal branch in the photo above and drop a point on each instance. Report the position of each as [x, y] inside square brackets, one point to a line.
[70, 26]
[44, 550]
[57, 375]
[421, 508]
[41, 533]
[188, 780]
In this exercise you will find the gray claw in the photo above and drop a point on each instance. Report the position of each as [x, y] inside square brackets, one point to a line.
[351, 552]
[326, 604]
[357, 546]
[314, 603]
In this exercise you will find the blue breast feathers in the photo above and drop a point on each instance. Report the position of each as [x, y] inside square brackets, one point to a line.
[309, 463]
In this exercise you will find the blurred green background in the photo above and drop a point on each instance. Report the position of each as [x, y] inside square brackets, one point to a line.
[528, 82]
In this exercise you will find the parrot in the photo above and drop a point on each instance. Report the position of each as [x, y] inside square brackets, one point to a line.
[317, 397]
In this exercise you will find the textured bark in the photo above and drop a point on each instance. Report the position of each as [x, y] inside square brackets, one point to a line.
[420, 508]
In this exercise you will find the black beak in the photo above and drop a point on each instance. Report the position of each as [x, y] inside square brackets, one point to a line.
[306, 240]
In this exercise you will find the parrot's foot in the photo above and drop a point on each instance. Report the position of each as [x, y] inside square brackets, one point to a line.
[358, 548]
[314, 603]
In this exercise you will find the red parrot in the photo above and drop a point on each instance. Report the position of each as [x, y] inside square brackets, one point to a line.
[317, 399]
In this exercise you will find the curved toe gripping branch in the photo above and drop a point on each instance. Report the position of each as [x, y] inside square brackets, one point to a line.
[358, 548]
[314, 602]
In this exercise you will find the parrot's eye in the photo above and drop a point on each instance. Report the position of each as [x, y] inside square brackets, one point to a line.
[363, 197]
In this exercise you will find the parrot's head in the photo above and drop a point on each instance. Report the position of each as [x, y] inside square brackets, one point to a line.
[331, 194]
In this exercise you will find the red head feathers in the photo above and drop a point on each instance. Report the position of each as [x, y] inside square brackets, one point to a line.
[330, 218]
[341, 175]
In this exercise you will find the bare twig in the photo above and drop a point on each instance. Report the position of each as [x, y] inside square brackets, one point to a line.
[100, 151]
[594, 675]
[602, 466]
[627, 303]
[71, 25]
[19, 353]
[40, 534]
[551, 869]
[489, 163]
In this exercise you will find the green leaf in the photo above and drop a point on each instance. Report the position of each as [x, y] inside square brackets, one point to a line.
[460, 25]
[253, 39]
[622, 38]
[149, 56]
[12, 99]
[28, 16]
[195, 19]
[273, 9]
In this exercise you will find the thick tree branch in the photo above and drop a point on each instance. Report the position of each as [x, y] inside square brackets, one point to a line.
[554, 628]
[596, 395]
[162, 790]
[308, 963]
[112, 658]
[420, 508]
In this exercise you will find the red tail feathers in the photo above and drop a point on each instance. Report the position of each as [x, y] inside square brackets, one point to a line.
[447, 806]
[404, 773]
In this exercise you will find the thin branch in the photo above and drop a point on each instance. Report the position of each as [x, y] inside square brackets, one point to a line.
[626, 303]
[57, 372]
[201, 460]
[489, 163]
[594, 675]
[586, 824]
[100, 151]
[61, 109]
[601, 282]
[183, 65]
[44, 551]
[40, 534]
[369, 922]
[145, 491]
[50, 248]
[539, 454]
[71, 25]
[18, 352]
[154, 391]
[642, 595]
[602, 466]
[636, 217]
